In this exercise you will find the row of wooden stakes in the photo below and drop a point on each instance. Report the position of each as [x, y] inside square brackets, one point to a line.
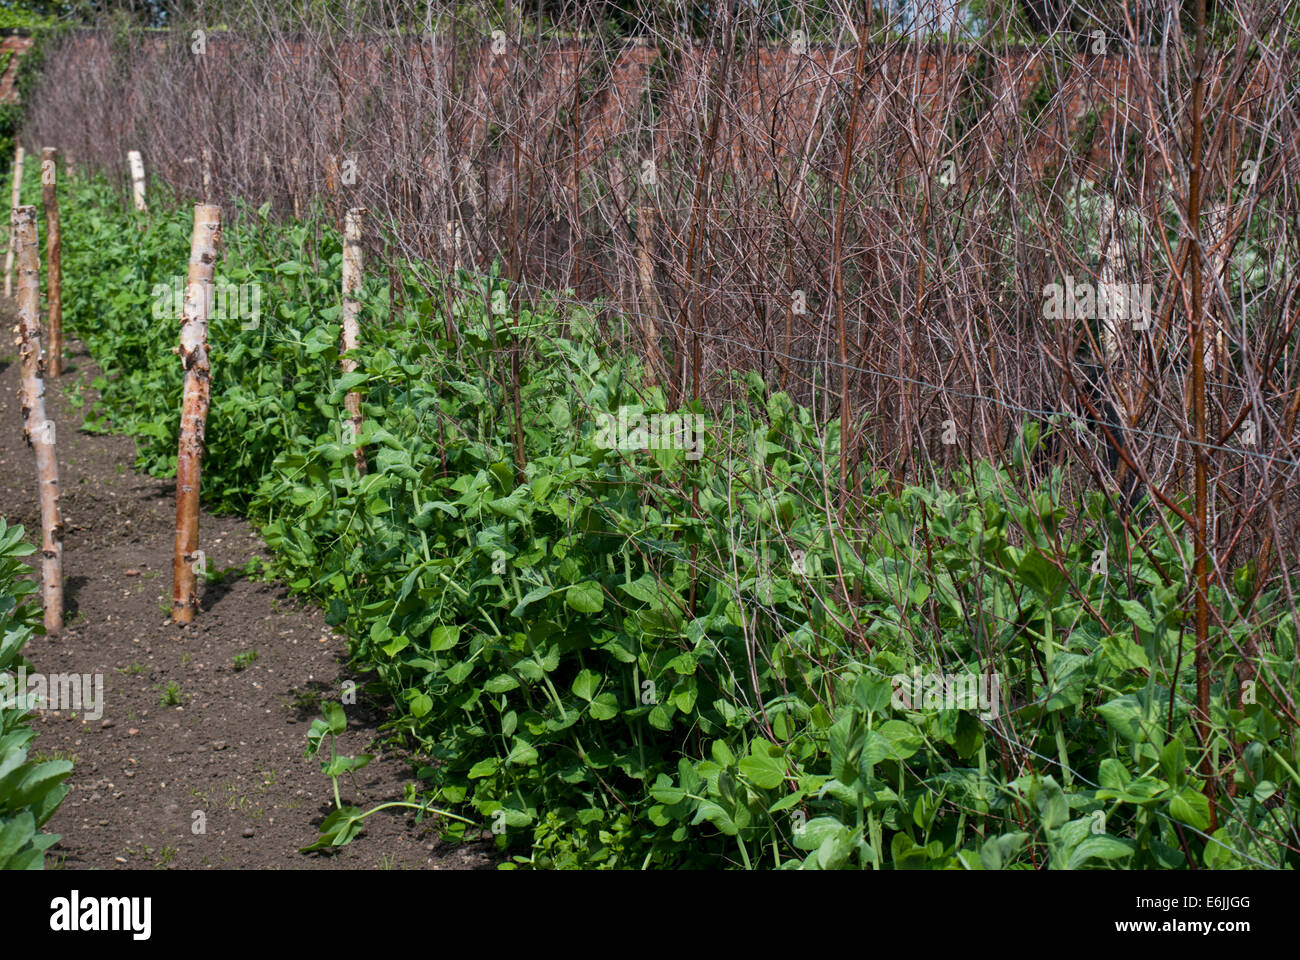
[193, 350]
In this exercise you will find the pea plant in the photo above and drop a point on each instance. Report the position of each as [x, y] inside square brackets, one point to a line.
[606, 644]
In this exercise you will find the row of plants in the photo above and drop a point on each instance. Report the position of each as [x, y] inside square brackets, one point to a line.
[30, 789]
[609, 656]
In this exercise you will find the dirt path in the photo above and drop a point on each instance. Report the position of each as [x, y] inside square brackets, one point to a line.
[187, 734]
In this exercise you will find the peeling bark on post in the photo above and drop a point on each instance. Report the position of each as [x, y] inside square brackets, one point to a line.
[350, 335]
[1111, 263]
[194, 409]
[137, 179]
[39, 430]
[13, 206]
[1215, 270]
[53, 257]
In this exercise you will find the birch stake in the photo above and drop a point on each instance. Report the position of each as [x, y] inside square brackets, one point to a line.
[350, 336]
[655, 364]
[205, 162]
[53, 257]
[38, 429]
[13, 205]
[137, 178]
[293, 165]
[194, 409]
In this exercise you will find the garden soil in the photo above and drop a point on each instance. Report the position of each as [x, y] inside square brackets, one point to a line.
[197, 761]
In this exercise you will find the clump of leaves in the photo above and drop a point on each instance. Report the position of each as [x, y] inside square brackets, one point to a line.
[30, 790]
[332, 723]
[343, 825]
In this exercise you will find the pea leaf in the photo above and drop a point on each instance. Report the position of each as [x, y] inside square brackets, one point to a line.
[585, 597]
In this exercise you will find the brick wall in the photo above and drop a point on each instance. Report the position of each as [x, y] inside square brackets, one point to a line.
[14, 45]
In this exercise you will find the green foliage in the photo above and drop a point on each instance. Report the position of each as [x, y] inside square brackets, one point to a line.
[30, 792]
[334, 722]
[10, 117]
[613, 659]
[26, 76]
[27, 16]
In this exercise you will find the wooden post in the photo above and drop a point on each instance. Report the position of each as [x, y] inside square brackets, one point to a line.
[1112, 266]
[333, 186]
[655, 364]
[350, 336]
[454, 241]
[137, 179]
[1217, 223]
[469, 182]
[297, 206]
[38, 429]
[13, 205]
[54, 257]
[194, 408]
[205, 163]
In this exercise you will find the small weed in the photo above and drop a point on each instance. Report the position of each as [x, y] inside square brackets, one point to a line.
[74, 394]
[258, 569]
[41, 756]
[245, 660]
[171, 696]
[307, 700]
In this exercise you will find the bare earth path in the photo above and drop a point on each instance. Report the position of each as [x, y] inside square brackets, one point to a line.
[227, 756]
